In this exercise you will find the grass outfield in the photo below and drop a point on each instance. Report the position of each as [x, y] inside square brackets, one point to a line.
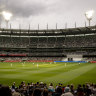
[69, 73]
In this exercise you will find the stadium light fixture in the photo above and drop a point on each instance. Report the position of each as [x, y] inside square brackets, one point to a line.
[89, 15]
[7, 16]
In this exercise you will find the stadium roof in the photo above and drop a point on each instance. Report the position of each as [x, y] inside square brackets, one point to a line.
[49, 32]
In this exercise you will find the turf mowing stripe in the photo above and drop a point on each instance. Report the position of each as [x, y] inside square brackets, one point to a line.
[34, 73]
[89, 76]
[53, 71]
[67, 76]
[47, 74]
[38, 76]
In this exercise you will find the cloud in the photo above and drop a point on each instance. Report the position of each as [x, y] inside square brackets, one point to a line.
[24, 8]
[48, 11]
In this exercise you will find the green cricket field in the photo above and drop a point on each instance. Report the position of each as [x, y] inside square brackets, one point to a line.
[65, 73]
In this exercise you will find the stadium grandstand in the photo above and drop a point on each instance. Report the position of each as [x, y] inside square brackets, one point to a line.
[33, 56]
[18, 45]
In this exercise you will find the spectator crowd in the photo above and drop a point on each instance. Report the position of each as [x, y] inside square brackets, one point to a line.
[42, 89]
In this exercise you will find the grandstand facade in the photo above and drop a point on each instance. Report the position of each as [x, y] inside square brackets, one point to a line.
[51, 45]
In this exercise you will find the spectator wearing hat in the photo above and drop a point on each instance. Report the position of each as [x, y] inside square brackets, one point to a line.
[67, 92]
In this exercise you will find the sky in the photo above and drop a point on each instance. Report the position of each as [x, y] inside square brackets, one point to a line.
[47, 12]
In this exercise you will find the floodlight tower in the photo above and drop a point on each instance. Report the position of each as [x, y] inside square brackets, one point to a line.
[89, 15]
[7, 16]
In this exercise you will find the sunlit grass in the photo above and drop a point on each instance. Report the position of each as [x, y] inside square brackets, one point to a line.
[65, 73]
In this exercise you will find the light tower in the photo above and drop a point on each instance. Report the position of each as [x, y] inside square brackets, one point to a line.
[7, 16]
[89, 15]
